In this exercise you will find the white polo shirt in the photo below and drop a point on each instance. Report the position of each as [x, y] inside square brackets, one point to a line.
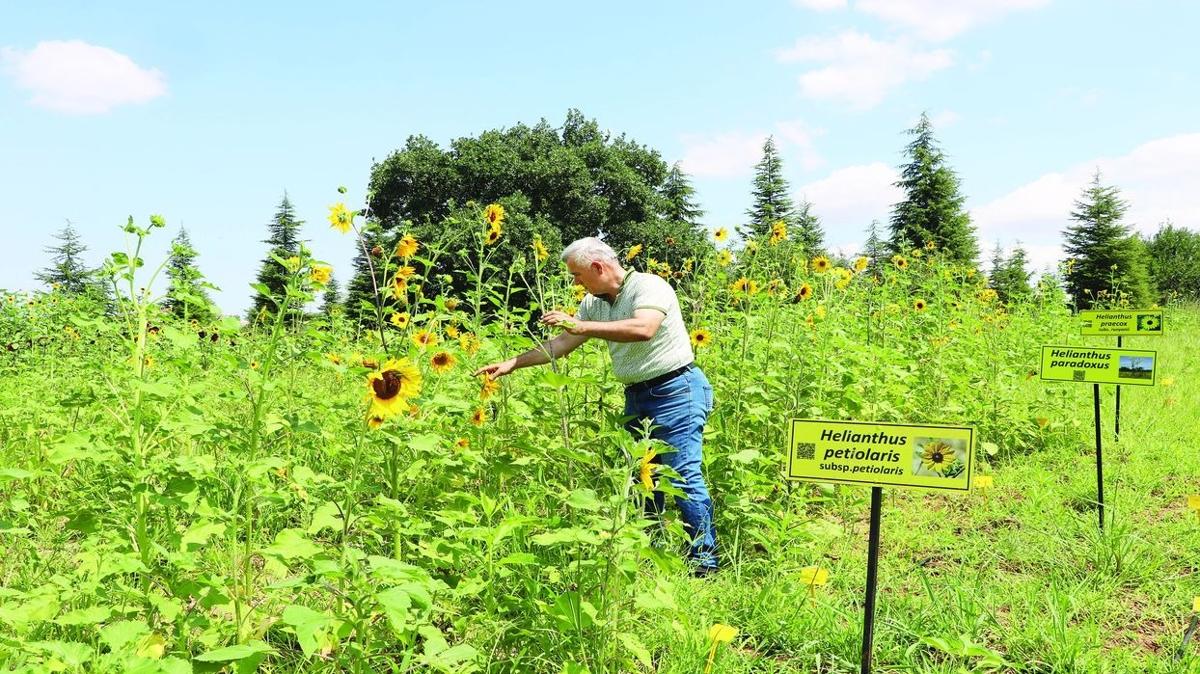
[668, 349]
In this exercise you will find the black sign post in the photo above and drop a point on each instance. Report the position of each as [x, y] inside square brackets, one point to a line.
[872, 579]
[1099, 455]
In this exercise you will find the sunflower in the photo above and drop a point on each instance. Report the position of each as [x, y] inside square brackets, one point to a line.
[424, 338]
[804, 292]
[399, 319]
[374, 421]
[451, 332]
[469, 343]
[442, 361]
[405, 272]
[494, 215]
[724, 258]
[937, 456]
[539, 249]
[340, 218]
[646, 468]
[987, 295]
[930, 245]
[451, 304]
[334, 358]
[701, 338]
[813, 576]
[479, 417]
[462, 443]
[578, 292]
[860, 263]
[744, 285]
[633, 251]
[492, 236]
[399, 288]
[488, 387]
[820, 264]
[254, 365]
[751, 247]
[720, 234]
[776, 287]
[407, 247]
[844, 277]
[392, 385]
[320, 274]
[919, 304]
[292, 264]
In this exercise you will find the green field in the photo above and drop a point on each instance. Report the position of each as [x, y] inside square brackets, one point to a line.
[178, 497]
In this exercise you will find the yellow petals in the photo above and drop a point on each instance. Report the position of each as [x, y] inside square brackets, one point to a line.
[340, 218]
[701, 338]
[646, 469]
[820, 264]
[814, 576]
[407, 247]
[320, 274]
[633, 251]
[720, 234]
[983, 482]
[720, 633]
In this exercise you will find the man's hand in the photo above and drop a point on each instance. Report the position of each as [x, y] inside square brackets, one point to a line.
[497, 370]
[559, 319]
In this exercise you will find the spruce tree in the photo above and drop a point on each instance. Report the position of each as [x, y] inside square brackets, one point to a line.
[932, 209]
[66, 272]
[186, 295]
[284, 242]
[771, 200]
[680, 198]
[331, 298]
[360, 293]
[1105, 257]
[1009, 276]
[804, 227]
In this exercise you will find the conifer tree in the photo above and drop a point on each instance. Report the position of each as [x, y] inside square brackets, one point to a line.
[771, 200]
[932, 209]
[360, 293]
[1104, 256]
[680, 198]
[331, 298]
[186, 295]
[284, 242]
[805, 228]
[1009, 276]
[67, 272]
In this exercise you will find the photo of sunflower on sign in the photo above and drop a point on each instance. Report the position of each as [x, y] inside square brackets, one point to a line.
[939, 457]
[1149, 323]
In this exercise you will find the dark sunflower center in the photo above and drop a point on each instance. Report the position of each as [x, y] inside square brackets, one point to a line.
[938, 457]
[388, 385]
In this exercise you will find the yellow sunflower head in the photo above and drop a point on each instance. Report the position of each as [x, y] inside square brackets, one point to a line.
[860, 263]
[399, 319]
[805, 291]
[392, 385]
[320, 274]
[407, 247]
[724, 258]
[633, 251]
[462, 443]
[488, 387]
[451, 304]
[820, 264]
[398, 289]
[720, 234]
[340, 218]
[442, 361]
[900, 262]
[646, 468]
[701, 338]
[937, 456]
[539, 249]
[405, 271]
[479, 417]
[919, 304]
[375, 421]
[492, 236]
[424, 338]
[494, 216]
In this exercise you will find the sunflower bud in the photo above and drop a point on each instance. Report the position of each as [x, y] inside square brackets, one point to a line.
[377, 251]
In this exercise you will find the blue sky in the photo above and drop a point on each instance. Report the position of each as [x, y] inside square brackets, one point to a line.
[206, 115]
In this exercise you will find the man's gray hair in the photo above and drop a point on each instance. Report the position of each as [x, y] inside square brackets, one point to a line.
[589, 249]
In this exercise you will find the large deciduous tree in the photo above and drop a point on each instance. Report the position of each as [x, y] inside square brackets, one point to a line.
[932, 209]
[1175, 262]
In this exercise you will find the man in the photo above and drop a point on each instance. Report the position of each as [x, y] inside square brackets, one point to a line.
[638, 316]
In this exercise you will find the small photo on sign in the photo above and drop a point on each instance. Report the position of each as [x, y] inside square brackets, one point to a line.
[939, 457]
[1137, 367]
[1148, 323]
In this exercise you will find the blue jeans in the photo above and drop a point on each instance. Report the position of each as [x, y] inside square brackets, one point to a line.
[678, 409]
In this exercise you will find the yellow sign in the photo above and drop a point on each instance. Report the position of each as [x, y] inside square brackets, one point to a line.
[1098, 366]
[881, 455]
[1147, 323]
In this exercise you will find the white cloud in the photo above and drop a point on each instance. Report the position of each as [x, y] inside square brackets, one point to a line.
[821, 5]
[75, 77]
[941, 20]
[945, 118]
[1157, 178]
[861, 70]
[732, 154]
[848, 199]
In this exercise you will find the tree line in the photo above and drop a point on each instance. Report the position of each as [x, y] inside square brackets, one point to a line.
[559, 183]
